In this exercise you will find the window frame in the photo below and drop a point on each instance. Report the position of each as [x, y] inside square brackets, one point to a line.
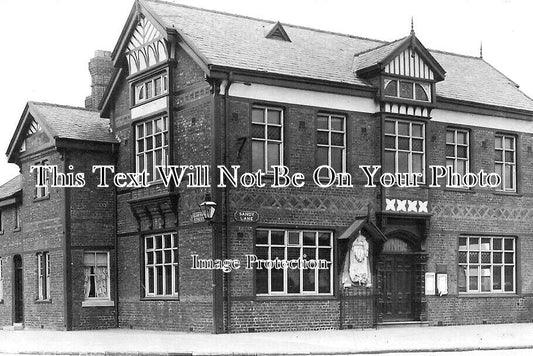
[330, 146]
[164, 148]
[174, 266]
[285, 293]
[455, 145]
[43, 276]
[1, 221]
[142, 84]
[491, 250]
[503, 162]
[16, 213]
[41, 192]
[410, 151]
[108, 262]
[266, 140]
[422, 84]
[1, 279]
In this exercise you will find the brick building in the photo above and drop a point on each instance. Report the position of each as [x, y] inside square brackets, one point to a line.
[187, 86]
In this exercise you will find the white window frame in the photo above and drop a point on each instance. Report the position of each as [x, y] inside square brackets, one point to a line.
[1, 279]
[455, 158]
[265, 140]
[330, 146]
[43, 276]
[42, 192]
[108, 297]
[174, 265]
[504, 163]
[141, 88]
[466, 264]
[16, 212]
[301, 246]
[1, 221]
[409, 151]
[425, 86]
[142, 156]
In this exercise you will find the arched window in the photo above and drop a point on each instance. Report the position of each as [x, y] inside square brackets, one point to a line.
[391, 89]
[420, 93]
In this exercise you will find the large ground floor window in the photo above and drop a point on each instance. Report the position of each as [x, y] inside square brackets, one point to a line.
[487, 264]
[290, 245]
[161, 275]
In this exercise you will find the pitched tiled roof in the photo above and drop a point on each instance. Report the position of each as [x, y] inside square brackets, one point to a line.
[11, 187]
[239, 42]
[473, 79]
[375, 55]
[73, 123]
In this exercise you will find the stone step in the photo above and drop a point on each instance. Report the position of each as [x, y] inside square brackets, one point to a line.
[402, 324]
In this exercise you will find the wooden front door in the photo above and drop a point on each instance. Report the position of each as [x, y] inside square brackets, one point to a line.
[397, 280]
[18, 300]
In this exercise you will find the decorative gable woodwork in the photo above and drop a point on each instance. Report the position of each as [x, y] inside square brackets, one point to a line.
[147, 47]
[34, 127]
[410, 64]
[35, 138]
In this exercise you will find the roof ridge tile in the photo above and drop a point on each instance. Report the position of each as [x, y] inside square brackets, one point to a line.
[265, 20]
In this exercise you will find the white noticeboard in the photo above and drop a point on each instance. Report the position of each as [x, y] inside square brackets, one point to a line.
[430, 283]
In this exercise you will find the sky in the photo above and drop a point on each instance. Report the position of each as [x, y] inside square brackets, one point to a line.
[46, 44]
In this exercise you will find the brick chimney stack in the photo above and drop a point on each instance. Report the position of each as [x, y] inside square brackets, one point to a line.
[101, 69]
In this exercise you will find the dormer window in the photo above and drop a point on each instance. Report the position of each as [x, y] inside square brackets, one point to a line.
[407, 90]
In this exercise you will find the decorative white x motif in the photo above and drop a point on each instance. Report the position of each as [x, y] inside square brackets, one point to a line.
[412, 205]
[390, 204]
[422, 206]
[401, 205]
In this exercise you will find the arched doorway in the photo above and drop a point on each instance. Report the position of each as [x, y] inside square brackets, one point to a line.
[18, 298]
[396, 275]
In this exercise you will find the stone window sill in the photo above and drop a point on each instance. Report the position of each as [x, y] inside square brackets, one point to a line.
[17, 229]
[46, 197]
[488, 295]
[97, 303]
[43, 301]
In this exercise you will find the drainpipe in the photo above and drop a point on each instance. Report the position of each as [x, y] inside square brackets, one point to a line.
[115, 232]
[226, 198]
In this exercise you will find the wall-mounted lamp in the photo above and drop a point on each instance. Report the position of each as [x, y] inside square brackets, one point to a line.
[207, 207]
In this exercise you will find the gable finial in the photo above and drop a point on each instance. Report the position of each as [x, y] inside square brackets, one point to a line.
[481, 49]
[138, 11]
[412, 26]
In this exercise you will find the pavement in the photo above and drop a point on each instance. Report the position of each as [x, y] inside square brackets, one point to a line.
[400, 340]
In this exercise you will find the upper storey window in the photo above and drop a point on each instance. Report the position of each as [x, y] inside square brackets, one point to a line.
[405, 148]
[151, 88]
[505, 161]
[151, 149]
[407, 90]
[267, 138]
